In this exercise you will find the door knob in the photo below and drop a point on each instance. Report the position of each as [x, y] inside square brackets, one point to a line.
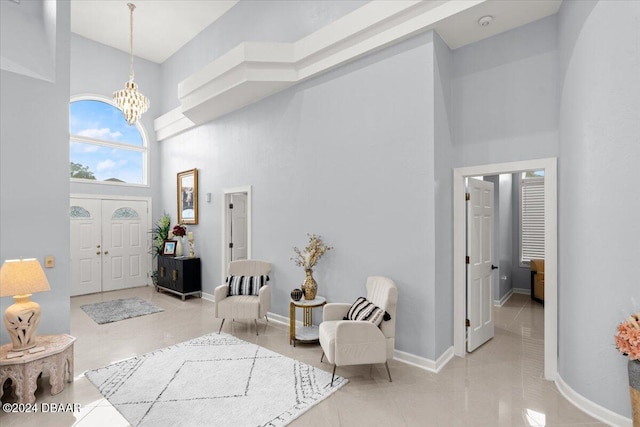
[98, 253]
[98, 246]
[494, 267]
[106, 252]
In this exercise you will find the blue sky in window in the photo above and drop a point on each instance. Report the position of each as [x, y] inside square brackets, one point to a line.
[103, 121]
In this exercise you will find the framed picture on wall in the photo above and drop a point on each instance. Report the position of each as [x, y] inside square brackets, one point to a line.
[188, 197]
[169, 248]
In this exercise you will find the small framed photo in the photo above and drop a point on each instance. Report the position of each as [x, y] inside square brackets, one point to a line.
[169, 248]
[188, 197]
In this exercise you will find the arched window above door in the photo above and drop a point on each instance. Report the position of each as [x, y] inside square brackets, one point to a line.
[103, 147]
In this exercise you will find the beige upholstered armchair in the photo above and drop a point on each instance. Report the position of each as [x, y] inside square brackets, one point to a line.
[246, 295]
[357, 342]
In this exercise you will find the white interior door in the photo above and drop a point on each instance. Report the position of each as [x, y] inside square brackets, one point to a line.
[238, 227]
[86, 246]
[480, 259]
[109, 245]
[125, 244]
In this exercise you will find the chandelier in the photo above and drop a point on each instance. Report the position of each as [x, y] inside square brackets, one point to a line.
[129, 100]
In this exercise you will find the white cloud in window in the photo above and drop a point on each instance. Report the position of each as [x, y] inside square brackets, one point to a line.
[105, 165]
[83, 148]
[101, 133]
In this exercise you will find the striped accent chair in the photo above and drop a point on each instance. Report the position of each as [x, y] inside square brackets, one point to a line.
[358, 342]
[248, 306]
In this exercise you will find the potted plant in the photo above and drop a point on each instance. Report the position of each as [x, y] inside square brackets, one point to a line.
[307, 259]
[159, 233]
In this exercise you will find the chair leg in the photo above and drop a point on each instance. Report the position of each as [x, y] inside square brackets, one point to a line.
[221, 326]
[386, 364]
[266, 318]
[333, 375]
[322, 357]
[256, 322]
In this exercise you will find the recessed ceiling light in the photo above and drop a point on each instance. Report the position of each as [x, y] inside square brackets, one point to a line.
[485, 20]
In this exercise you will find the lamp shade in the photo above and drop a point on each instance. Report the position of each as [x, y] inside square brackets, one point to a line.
[21, 277]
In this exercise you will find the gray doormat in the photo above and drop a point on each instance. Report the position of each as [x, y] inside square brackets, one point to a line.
[120, 309]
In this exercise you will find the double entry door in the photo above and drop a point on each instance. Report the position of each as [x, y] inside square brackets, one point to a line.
[109, 245]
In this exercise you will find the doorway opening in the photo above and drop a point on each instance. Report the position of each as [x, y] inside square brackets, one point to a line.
[549, 166]
[236, 225]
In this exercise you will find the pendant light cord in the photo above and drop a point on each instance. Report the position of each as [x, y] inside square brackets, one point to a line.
[131, 8]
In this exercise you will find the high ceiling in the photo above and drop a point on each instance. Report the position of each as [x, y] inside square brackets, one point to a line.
[161, 27]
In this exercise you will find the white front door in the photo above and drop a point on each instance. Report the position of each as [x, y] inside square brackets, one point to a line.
[109, 245]
[480, 259]
[86, 246]
[126, 244]
[238, 228]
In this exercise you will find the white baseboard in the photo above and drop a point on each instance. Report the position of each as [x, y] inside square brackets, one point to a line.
[505, 298]
[585, 405]
[281, 319]
[422, 362]
[600, 413]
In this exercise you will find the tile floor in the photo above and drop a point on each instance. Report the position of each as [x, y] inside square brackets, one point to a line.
[500, 384]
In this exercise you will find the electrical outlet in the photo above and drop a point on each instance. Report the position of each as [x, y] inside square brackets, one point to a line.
[49, 261]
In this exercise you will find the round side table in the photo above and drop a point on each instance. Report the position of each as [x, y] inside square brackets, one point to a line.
[308, 332]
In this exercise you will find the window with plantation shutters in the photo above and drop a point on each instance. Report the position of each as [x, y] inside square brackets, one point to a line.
[531, 217]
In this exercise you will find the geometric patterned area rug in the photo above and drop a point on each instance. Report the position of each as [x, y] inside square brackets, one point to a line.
[120, 309]
[213, 380]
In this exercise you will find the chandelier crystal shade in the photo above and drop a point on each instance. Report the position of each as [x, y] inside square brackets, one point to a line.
[131, 102]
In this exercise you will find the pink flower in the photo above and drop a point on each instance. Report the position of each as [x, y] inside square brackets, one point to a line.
[628, 337]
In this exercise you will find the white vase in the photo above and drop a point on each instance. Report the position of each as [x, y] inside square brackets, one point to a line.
[179, 250]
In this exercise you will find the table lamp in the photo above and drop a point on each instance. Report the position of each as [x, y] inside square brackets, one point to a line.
[20, 278]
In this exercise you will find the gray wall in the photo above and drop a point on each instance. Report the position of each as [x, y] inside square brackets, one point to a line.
[34, 176]
[362, 167]
[505, 97]
[97, 69]
[443, 159]
[330, 156]
[598, 195]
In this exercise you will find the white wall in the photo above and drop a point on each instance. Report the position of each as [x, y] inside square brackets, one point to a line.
[598, 194]
[34, 54]
[507, 252]
[34, 176]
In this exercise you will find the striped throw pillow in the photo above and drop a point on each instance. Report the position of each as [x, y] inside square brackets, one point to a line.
[366, 311]
[246, 285]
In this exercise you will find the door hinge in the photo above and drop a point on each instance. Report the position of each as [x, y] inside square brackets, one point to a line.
[230, 245]
[466, 259]
[467, 323]
[230, 205]
[467, 196]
